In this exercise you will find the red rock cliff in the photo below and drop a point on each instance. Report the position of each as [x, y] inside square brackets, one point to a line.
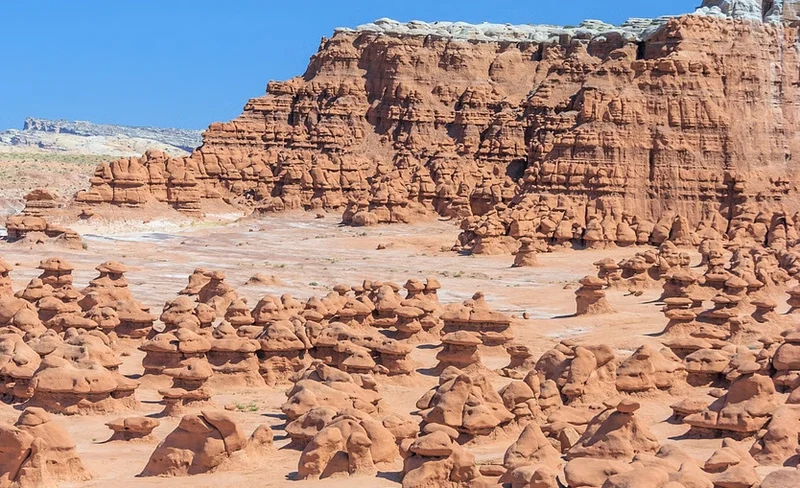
[519, 137]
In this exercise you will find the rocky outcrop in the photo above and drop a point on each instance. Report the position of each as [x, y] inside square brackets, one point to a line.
[202, 443]
[745, 408]
[464, 403]
[320, 385]
[83, 386]
[591, 134]
[37, 451]
[436, 460]
[132, 428]
[352, 443]
[615, 433]
[32, 227]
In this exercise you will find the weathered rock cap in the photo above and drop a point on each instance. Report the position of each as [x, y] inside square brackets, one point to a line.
[137, 425]
[607, 264]
[112, 267]
[725, 299]
[749, 367]
[592, 282]
[462, 338]
[342, 289]
[409, 312]
[683, 276]
[678, 301]
[435, 444]
[792, 336]
[627, 405]
[736, 282]
[215, 275]
[54, 264]
[432, 284]
[764, 302]
[414, 285]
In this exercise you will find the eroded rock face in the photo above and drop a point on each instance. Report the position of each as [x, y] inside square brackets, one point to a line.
[564, 134]
[283, 351]
[354, 351]
[782, 478]
[189, 387]
[320, 385]
[31, 227]
[616, 434]
[530, 449]
[351, 443]
[81, 377]
[465, 403]
[233, 359]
[745, 408]
[167, 350]
[781, 438]
[579, 372]
[202, 443]
[477, 316]
[786, 360]
[436, 460]
[460, 350]
[18, 364]
[670, 467]
[590, 298]
[36, 451]
[647, 370]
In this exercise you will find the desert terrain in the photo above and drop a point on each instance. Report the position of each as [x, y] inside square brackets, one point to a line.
[322, 254]
[305, 255]
[23, 172]
[447, 255]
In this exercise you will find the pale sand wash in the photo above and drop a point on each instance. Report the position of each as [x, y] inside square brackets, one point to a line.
[310, 256]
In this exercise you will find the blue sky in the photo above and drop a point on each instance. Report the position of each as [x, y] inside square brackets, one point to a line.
[182, 63]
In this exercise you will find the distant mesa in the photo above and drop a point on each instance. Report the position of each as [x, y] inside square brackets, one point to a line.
[66, 136]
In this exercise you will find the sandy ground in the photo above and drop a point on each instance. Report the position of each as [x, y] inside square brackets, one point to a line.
[310, 256]
[21, 172]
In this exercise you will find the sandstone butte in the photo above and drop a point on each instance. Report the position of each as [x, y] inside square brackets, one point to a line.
[694, 115]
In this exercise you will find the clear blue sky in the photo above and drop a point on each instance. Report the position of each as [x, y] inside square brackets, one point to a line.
[186, 63]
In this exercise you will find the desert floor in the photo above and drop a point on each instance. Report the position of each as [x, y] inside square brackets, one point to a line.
[21, 172]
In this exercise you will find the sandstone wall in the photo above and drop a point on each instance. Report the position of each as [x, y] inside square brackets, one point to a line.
[698, 118]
